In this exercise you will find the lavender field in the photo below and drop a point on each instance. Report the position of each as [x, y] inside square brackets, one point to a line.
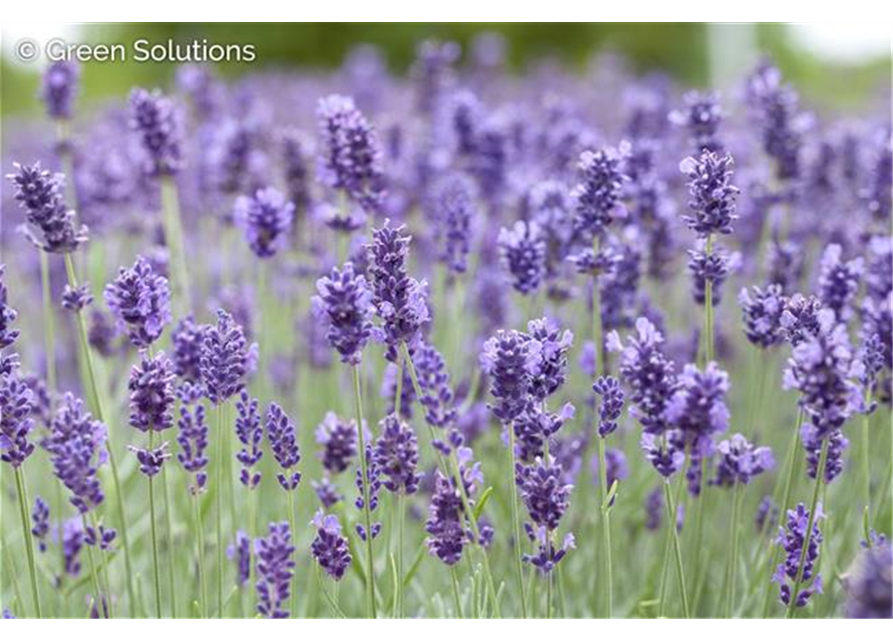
[461, 342]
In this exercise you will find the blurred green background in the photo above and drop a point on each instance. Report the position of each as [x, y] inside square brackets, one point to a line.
[818, 58]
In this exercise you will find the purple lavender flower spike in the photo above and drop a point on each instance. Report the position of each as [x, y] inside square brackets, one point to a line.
[713, 267]
[432, 72]
[447, 534]
[51, 225]
[40, 519]
[534, 427]
[275, 568]
[782, 126]
[702, 116]
[612, 397]
[151, 387]
[151, 460]
[869, 363]
[76, 445]
[326, 492]
[339, 442]
[296, 149]
[784, 264]
[548, 555]
[8, 315]
[654, 508]
[544, 492]
[351, 156]
[330, 547]
[792, 537]
[16, 422]
[396, 456]
[283, 439]
[869, 587]
[72, 543]
[839, 281]
[389, 391]
[454, 208]
[761, 310]
[767, 514]
[511, 359]
[157, 123]
[77, 299]
[266, 219]
[187, 348]
[224, 358]
[597, 196]
[60, 88]
[800, 318]
[400, 301]
[250, 434]
[740, 461]
[553, 348]
[879, 192]
[344, 303]
[140, 301]
[523, 253]
[434, 379]
[666, 455]
[101, 537]
[193, 441]
[712, 193]
[240, 553]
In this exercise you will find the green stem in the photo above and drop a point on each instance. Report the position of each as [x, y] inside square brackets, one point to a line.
[367, 515]
[218, 491]
[606, 527]
[49, 321]
[173, 234]
[733, 555]
[401, 525]
[200, 535]
[105, 569]
[156, 571]
[677, 549]
[457, 600]
[94, 578]
[708, 308]
[801, 565]
[29, 543]
[294, 538]
[96, 402]
[516, 521]
[597, 317]
[866, 454]
[169, 538]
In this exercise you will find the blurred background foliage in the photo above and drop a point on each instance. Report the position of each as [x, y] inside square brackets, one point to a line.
[687, 51]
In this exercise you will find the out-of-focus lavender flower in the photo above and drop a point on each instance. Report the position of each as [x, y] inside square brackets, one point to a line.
[275, 567]
[839, 281]
[597, 196]
[351, 156]
[654, 508]
[193, 441]
[102, 334]
[296, 149]
[326, 492]
[800, 318]
[151, 387]
[648, 373]
[464, 113]
[396, 455]
[761, 310]
[101, 537]
[76, 299]
[868, 364]
[240, 553]
[434, 380]
[283, 438]
[447, 534]
[16, 422]
[389, 391]
[767, 514]
[740, 462]
[250, 434]
[330, 547]
[400, 301]
[879, 191]
[8, 315]
[869, 586]
[793, 537]
[265, 218]
[339, 442]
[224, 358]
[51, 225]
[76, 445]
[432, 72]
[611, 407]
[712, 193]
[711, 267]
[511, 359]
[156, 121]
[72, 543]
[554, 345]
[453, 205]
[40, 519]
[534, 427]
[140, 300]
[785, 264]
[879, 267]
[59, 88]
[701, 117]
[344, 303]
[202, 88]
[547, 555]
[665, 453]
[523, 253]
[776, 107]
[187, 346]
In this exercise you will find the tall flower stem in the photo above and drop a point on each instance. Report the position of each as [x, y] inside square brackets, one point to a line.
[367, 515]
[200, 535]
[49, 321]
[173, 235]
[96, 403]
[169, 541]
[105, 569]
[98, 601]
[26, 534]
[294, 534]
[401, 525]
[457, 600]
[708, 308]
[597, 330]
[866, 456]
[450, 466]
[606, 526]
[156, 571]
[677, 549]
[801, 565]
[516, 521]
[732, 569]
[218, 492]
